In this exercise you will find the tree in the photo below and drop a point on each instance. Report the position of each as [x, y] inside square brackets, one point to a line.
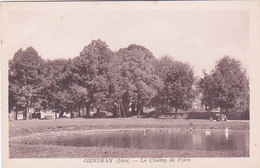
[207, 88]
[226, 86]
[53, 74]
[139, 80]
[163, 65]
[78, 97]
[91, 70]
[178, 78]
[25, 80]
[60, 91]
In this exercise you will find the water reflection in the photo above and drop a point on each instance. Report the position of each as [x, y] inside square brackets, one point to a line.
[226, 133]
[208, 140]
[208, 132]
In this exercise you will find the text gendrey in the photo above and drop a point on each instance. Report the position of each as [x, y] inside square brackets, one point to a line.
[98, 160]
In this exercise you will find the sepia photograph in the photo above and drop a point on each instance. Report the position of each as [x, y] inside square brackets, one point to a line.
[111, 81]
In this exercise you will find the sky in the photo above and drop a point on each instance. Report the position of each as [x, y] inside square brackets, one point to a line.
[198, 37]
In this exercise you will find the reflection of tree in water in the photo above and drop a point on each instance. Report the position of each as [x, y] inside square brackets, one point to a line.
[242, 142]
[176, 140]
[150, 141]
[198, 140]
[218, 141]
[180, 140]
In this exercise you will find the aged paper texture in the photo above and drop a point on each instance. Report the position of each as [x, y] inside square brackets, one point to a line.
[62, 121]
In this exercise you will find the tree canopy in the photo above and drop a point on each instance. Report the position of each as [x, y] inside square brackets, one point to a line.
[125, 80]
[25, 79]
[178, 80]
[91, 70]
[139, 81]
[226, 86]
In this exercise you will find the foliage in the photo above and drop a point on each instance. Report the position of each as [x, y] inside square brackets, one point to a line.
[226, 86]
[178, 79]
[105, 80]
[91, 70]
[25, 80]
[140, 83]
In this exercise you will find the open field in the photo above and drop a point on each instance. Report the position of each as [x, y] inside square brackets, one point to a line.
[22, 130]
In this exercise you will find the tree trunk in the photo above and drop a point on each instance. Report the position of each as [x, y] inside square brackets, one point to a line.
[176, 110]
[60, 113]
[28, 113]
[83, 110]
[220, 115]
[139, 109]
[16, 114]
[25, 113]
[28, 109]
[87, 109]
[55, 115]
[79, 111]
[115, 110]
[161, 108]
[119, 110]
[133, 109]
[165, 108]
[169, 109]
[125, 102]
[71, 114]
[125, 106]
[98, 110]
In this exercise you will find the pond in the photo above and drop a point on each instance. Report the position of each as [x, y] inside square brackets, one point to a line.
[207, 140]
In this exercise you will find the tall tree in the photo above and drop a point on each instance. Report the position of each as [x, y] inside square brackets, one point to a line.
[139, 80]
[178, 78]
[25, 80]
[225, 86]
[91, 70]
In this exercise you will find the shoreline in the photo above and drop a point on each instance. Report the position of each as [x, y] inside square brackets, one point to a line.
[38, 128]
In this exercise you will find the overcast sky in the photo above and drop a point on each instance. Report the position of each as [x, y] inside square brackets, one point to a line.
[199, 37]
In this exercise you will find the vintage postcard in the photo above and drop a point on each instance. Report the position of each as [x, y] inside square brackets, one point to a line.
[130, 84]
